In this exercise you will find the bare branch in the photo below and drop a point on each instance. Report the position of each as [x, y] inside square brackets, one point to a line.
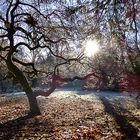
[22, 14]
[25, 4]
[13, 10]
[4, 48]
[1, 28]
[50, 90]
[1, 18]
[2, 36]
[23, 31]
[25, 64]
[8, 10]
[3, 58]
[22, 44]
[77, 77]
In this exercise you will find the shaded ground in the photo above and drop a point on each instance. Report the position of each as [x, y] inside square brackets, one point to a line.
[71, 115]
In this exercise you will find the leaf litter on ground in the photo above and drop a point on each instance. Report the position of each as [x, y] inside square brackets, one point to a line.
[67, 118]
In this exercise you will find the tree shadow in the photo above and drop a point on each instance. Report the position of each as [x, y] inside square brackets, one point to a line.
[12, 127]
[129, 131]
[29, 124]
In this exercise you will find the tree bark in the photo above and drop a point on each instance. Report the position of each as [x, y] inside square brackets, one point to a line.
[34, 108]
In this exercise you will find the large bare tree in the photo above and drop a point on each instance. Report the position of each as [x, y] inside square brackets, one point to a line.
[27, 26]
[54, 28]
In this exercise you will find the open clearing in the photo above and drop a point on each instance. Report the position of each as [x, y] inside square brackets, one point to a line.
[71, 115]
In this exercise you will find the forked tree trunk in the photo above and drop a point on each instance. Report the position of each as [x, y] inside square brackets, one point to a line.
[34, 108]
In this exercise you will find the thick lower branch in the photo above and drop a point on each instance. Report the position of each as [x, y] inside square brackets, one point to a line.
[57, 78]
[77, 77]
[50, 90]
[43, 93]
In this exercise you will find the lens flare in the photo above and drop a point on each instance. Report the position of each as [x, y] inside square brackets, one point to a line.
[91, 47]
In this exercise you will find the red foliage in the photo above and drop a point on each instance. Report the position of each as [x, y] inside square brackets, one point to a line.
[130, 83]
[59, 80]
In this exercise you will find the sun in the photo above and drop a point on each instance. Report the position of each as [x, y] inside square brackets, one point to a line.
[91, 47]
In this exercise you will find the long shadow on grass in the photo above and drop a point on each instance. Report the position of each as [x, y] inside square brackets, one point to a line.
[15, 128]
[125, 127]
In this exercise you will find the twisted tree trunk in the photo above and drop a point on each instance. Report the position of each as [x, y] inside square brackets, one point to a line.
[34, 108]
